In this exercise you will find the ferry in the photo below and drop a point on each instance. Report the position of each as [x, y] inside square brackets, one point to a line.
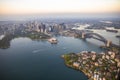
[111, 29]
[115, 31]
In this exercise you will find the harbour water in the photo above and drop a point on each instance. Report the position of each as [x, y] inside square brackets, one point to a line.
[40, 60]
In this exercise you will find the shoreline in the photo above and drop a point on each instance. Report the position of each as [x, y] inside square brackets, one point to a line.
[94, 65]
[77, 70]
[71, 67]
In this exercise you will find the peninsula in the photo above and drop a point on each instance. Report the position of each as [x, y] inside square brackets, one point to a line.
[96, 66]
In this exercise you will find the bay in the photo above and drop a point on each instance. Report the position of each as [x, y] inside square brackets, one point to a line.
[39, 60]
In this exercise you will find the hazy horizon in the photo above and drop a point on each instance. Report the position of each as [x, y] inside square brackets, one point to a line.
[27, 9]
[58, 16]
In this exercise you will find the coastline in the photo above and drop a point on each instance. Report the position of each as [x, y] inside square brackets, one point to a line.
[94, 65]
[69, 66]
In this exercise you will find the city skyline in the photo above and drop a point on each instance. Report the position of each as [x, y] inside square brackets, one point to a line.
[24, 7]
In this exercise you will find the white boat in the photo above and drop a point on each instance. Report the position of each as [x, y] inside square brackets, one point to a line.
[53, 40]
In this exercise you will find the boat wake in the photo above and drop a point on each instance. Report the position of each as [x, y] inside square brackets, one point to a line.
[38, 50]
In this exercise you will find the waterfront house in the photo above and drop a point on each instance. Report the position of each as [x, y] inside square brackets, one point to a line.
[84, 52]
[113, 62]
[96, 63]
[118, 64]
[103, 56]
[93, 52]
[94, 57]
[113, 55]
[100, 61]
[117, 58]
[76, 64]
[110, 53]
[84, 62]
[107, 57]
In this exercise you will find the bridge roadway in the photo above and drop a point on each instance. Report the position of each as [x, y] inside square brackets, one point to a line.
[90, 34]
[112, 44]
[100, 38]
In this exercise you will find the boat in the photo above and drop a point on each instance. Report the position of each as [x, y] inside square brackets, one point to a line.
[118, 36]
[110, 30]
[53, 40]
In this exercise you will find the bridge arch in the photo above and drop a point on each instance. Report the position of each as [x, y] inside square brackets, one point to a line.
[97, 37]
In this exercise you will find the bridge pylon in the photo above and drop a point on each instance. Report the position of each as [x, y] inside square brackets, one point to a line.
[108, 43]
[83, 35]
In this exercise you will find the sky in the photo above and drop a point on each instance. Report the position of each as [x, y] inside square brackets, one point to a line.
[14, 7]
[29, 9]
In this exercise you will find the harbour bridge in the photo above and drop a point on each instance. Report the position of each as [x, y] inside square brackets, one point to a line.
[97, 36]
